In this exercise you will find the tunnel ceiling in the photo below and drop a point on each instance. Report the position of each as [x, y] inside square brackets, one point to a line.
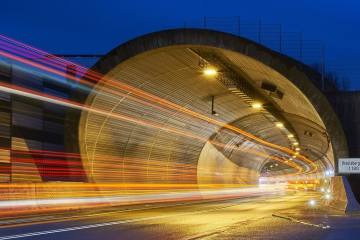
[143, 139]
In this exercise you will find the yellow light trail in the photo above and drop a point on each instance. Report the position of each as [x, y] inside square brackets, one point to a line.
[9, 88]
[163, 102]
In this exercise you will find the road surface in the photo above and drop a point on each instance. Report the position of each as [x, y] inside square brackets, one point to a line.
[267, 217]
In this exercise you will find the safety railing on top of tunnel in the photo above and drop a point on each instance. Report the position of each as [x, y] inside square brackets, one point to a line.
[273, 36]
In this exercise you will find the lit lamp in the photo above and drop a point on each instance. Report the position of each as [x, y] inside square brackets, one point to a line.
[256, 105]
[210, 72]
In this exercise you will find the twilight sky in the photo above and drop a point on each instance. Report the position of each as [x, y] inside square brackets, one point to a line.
[97, 26]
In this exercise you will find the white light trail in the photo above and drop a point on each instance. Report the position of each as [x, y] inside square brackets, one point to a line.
[142, 198]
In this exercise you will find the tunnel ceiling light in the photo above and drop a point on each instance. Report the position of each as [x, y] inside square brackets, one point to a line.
[210, 72]
[256, 105]
[297, 149]
[290, 135]
[295, 143]
[279, 125]
[329, 173]
[312, 203]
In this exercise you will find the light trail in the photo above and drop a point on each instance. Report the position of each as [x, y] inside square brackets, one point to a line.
[115, 159]
[9, 88]
[163, 102]
[36, 206]
[140, 198]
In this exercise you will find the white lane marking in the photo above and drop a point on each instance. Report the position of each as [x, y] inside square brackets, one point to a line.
[68, 229]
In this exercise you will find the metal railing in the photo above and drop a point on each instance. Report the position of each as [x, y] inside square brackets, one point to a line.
[273, 36]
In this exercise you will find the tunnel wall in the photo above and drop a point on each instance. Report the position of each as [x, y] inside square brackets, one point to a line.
[346, 105]
[214, 167]
[303, 77]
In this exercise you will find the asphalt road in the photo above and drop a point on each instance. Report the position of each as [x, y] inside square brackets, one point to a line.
[245, 218]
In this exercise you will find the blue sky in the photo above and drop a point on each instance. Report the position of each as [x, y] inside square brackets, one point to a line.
[97, 26]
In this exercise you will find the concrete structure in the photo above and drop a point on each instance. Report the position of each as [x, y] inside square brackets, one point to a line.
[169, 65]
[346, 106]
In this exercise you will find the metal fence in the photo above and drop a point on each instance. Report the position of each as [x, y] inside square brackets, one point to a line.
[273, 36]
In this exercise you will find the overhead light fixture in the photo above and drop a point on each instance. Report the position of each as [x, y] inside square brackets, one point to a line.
[256, 105]
[312, 203]
[297, 149]
[279, 125]
[295, 143]
[290, 135]
[210, 72]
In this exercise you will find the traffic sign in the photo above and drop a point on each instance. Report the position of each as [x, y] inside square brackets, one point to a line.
[349, 165]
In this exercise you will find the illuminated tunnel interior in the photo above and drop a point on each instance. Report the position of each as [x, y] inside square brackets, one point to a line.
[170, 144]
[203, 107]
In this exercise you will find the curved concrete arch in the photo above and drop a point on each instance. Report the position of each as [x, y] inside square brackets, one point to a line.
[299, 74]
[281, 70]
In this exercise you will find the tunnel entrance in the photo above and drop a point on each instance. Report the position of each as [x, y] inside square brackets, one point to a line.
[195, 106]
